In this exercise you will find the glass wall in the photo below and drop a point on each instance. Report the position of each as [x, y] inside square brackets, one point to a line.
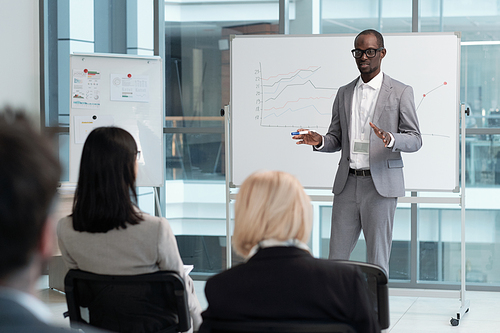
[351, 17]
[196, 65]
[197, 82]
[197, 78]
[479, 25]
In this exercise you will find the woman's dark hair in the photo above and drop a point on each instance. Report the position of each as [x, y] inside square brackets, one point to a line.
[105, 196]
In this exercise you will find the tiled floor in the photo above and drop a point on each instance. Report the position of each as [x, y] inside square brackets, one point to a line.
[408, 313]
[428, 314]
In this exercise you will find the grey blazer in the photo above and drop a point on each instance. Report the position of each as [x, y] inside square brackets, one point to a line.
[14, 318]
[394, 112]
[146, 247]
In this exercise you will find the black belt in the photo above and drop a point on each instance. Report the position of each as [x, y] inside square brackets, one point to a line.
[360, 172]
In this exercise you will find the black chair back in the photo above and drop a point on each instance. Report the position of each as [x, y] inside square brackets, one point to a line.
[154, 302]
[220, 326]
[378, 289]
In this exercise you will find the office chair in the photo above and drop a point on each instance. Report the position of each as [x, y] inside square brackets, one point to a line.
[378, 289]
[154, 302]
[221, 326]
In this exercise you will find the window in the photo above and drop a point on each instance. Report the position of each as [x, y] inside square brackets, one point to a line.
[197, 82]
[196, 68]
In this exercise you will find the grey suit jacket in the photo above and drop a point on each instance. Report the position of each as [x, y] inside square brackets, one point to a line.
[16, 319]
[394, 112]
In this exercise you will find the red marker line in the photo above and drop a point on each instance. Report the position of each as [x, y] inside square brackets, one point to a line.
[425, 95]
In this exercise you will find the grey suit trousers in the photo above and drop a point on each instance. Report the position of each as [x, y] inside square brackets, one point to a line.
[360, 206]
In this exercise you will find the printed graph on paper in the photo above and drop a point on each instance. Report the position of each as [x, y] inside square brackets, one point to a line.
[297, 98]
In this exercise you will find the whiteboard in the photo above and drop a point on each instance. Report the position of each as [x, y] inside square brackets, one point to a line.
[122, 91]
[282, 83]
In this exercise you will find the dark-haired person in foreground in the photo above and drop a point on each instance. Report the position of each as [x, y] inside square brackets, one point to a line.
[108, 234]
[29, 176]
[280, 279]
[373, 121]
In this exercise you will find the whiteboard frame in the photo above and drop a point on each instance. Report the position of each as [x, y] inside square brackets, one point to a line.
[151, 167]
[455, 189]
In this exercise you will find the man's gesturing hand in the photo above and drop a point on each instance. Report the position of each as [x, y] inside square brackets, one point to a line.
[311, 138]
[385, 136]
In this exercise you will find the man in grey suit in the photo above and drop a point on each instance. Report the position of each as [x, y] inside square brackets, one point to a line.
[29, 175]
[373, 121]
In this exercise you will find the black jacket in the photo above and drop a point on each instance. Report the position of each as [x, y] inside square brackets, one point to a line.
[287, 283]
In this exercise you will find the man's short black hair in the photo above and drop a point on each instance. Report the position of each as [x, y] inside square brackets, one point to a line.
[378, 35]
[29, 176]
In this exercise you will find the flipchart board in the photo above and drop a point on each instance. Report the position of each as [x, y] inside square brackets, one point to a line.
[281, 83]
[122, 91]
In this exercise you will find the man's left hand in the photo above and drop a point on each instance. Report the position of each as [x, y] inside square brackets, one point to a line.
[386, 138]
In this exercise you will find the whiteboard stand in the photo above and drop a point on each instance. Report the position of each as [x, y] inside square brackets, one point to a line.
[464, 308]
[156, 191]
[228, 190]
[465, 303]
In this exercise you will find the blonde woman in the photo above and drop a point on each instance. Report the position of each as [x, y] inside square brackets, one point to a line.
[280, 279]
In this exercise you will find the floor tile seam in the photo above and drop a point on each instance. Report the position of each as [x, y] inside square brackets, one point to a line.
[404, 313]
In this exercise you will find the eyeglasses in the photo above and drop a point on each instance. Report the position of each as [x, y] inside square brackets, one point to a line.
[370, 53]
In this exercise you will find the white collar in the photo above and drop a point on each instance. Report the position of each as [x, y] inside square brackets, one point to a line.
[274, 242]
[374, 83]
[29, 302]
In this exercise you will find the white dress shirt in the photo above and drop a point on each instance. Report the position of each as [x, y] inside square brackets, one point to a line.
[363, 104]
[271, 242]
[364, 100]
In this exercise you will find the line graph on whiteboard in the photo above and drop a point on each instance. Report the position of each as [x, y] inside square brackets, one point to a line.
[302, 98]
[427, 94]
[293, 99]
[424, 97]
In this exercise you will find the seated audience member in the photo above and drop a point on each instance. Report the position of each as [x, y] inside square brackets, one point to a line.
[29, 176]
[280, 279]
[108, 234]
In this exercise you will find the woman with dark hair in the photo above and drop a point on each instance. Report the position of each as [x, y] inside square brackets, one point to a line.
[107, 233]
